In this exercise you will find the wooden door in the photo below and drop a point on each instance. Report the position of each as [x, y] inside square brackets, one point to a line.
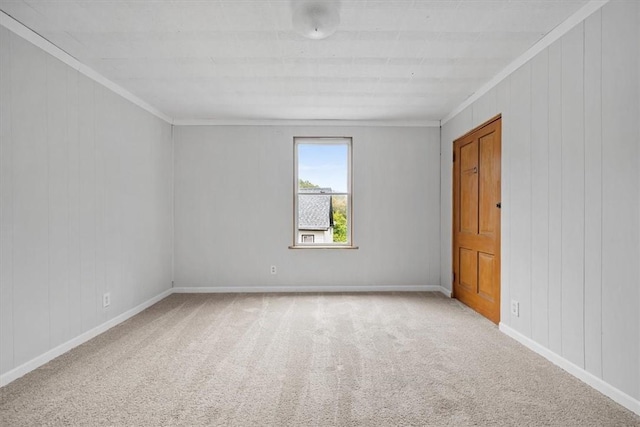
[476, 219]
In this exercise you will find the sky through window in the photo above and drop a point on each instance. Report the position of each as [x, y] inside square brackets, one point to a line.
[324, 165]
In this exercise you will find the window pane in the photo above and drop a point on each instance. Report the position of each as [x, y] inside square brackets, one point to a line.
[322, 218]
[315, 217]
[340, 206]
[323, 166]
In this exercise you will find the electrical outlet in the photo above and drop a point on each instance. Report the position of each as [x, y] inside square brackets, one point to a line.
[515, 308]
[274, 270]
[106, 300]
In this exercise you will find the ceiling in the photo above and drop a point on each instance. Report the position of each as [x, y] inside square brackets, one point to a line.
[410, 60]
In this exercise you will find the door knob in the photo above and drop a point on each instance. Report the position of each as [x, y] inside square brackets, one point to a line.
[499, 205]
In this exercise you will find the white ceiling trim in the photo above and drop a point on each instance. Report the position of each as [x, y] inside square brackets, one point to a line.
[354, 123]
[554, 35]
[31, 36]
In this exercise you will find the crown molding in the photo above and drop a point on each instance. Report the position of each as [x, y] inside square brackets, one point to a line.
[274, 122]
[31, 36]
[580, 15]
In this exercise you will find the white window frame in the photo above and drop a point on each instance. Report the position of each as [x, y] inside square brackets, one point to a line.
[325, 140]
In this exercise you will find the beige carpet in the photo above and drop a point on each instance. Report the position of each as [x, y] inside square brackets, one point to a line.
[305, 360]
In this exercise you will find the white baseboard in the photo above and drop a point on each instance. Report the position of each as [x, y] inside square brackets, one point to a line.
[32, 364]
[586, 377]
[446, 292]
[280, 289]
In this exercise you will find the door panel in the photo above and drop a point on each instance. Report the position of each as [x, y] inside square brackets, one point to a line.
[486, 280]
[468, 269]
[476, 219]
[487, 188]
[469, 187]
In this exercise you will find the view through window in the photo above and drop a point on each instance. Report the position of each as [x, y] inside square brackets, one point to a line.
[323, 191]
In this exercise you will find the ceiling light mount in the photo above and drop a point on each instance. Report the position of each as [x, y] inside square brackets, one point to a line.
[315, 19]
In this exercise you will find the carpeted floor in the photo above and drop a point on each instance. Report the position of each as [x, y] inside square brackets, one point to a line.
[373, 359]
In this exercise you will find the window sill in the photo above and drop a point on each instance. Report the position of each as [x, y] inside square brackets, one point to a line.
[323, 247]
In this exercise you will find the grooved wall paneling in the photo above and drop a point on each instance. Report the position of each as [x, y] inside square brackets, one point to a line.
[539, 198]
[555, 198]
[503, 101]
[30, 201]
[58, 199]
[520, 201]
[620, 164]
[593, 194]
[571, 205]
[6, 206]
[84, 177]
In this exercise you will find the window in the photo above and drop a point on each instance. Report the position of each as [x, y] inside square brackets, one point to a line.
[322, 192]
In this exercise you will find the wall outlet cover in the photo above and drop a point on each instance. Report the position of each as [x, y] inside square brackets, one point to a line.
[515, 308]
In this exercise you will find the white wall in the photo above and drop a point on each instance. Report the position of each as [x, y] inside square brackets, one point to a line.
[638, 188]
[85, 203]
[234, 209]
[570, 216]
